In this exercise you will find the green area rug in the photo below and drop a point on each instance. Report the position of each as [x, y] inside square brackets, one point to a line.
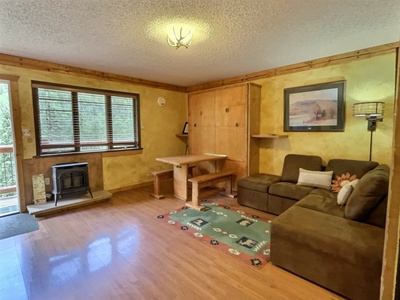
[241, 235]
[17, 224]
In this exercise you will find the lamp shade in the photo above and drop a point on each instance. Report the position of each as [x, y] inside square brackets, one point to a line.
[368, 109]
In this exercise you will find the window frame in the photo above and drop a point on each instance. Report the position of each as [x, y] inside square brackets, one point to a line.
[108, 94]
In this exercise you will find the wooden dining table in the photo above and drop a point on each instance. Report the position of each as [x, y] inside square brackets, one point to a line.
[180, 165]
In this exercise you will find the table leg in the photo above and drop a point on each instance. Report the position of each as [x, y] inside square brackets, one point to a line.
[181, 182]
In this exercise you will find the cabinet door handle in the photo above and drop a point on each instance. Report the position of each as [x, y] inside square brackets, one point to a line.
[227, 109]
[195, 125]
[237, 124]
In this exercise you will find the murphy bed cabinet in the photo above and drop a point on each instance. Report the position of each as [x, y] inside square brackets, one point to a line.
[221, 121]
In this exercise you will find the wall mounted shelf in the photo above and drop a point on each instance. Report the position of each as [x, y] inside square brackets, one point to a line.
[269, 136]
[184, 138]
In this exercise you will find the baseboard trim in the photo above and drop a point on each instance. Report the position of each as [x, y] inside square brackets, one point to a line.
[131, 187]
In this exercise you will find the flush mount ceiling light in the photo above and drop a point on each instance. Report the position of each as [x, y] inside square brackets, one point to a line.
[180, 39]
[178, 30]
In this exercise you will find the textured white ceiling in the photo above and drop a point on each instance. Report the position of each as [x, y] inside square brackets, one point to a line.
[230, 37]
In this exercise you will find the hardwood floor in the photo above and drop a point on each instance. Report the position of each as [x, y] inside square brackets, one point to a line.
[120, 250]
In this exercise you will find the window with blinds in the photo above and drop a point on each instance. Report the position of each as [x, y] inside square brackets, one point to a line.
[73, 119]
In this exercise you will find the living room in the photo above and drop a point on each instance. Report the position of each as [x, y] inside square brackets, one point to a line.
[369, 74]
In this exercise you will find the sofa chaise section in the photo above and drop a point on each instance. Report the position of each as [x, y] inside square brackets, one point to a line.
[342, 255]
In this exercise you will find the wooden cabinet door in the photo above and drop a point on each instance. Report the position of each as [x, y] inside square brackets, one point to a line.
[230, 107]
[202, 123]
[202, 140]
[220, 121]
[232, 142]
[201, 109]
[231, 122]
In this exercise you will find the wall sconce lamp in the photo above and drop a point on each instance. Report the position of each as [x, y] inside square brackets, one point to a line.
[373, 113]
[183, 40]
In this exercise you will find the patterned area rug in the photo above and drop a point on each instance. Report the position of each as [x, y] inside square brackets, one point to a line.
[238, 234]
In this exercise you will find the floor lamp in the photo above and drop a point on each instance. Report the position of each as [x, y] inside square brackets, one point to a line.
[372, 112]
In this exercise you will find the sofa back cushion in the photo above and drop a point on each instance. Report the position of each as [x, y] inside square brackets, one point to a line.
[293, 163]
[369, 192]
[353, 167]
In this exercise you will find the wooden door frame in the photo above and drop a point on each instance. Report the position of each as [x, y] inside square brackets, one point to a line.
[17, 134]
[391, 247]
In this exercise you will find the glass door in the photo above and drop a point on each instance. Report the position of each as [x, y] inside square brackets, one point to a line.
[9, 203]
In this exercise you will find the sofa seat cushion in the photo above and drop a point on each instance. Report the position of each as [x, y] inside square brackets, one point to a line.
[324, 193]
[258, 182]
[289, 190]
[324, 204]
[339, 254]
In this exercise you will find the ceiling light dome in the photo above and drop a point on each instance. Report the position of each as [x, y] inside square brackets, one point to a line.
[179, 40]
[171, 30]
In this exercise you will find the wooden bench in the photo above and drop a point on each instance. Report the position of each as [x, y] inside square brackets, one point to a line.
[207, 180]
[160, 176]
[164, 175]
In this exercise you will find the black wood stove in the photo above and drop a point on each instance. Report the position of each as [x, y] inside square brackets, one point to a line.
[70, 178]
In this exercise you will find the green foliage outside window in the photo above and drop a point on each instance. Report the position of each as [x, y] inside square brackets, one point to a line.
[7, 165]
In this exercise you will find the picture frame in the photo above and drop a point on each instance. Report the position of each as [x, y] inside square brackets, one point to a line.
[185, 129]
[318, 107]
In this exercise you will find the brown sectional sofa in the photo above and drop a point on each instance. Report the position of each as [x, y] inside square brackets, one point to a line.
[338, 247]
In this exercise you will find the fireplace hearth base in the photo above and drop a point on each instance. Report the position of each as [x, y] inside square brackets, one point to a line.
[69, 203]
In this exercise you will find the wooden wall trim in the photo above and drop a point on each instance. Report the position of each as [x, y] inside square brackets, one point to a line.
[18, 144]
[131, 187]
[226, 87]
[304, 66]
[391, 248]
[9, 77]
[121, 153]
[17, 61]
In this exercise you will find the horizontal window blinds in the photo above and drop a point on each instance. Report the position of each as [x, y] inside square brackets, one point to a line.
[70, 120]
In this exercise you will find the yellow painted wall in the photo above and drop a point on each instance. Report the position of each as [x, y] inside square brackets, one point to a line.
[371, 79]
[159, 124]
